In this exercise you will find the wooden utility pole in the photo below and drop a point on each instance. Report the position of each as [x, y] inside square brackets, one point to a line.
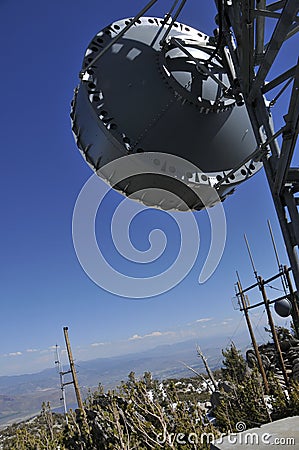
[261, 284]
[73, 369]
[255, 346]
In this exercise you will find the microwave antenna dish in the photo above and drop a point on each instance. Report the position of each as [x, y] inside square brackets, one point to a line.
[154, 85]
[156, 96]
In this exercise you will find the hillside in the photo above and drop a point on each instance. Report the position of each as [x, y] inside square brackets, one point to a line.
[21, 396]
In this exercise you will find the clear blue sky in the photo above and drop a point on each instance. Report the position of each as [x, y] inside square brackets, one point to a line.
[43, 286]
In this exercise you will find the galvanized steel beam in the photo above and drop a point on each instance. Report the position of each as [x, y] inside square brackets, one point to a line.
[282, 28]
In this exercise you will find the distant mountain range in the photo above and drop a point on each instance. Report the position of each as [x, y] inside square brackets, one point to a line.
[21, 396]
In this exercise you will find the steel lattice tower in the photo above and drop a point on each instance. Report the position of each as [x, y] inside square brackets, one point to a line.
[242, 28]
